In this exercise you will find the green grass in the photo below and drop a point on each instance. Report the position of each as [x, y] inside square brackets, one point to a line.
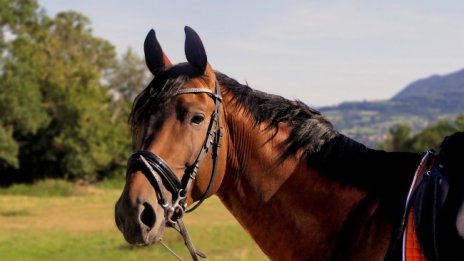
[43, 188]
[112, 183]
[78, 225]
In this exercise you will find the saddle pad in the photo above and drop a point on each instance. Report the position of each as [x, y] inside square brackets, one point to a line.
[413, 251]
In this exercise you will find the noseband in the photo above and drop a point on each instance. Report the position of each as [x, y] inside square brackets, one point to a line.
[159, 173]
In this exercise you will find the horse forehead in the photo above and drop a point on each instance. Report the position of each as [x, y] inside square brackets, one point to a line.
[197, 98]
[198, 82]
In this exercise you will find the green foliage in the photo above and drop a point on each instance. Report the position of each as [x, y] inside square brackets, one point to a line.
[400, 137]
[130, 76]
[64, 97]
[8, 149]
[13, 15]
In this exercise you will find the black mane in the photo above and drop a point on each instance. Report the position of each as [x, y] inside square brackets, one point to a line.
[310, 130]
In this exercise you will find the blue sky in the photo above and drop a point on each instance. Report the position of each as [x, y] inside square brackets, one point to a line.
[320, 52]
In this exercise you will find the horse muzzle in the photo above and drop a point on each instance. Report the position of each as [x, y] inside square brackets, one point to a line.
[139, 217]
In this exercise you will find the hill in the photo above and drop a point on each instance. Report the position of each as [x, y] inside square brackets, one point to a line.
[418, 104]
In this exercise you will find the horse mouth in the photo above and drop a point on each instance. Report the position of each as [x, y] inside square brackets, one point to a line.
[152, 239]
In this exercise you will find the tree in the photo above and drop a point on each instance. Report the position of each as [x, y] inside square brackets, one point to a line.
[56, 116]
[21, 110]
[126, 81]
[433, 136]
[130, 76]
[13, 15]
[398, 138]
[401, 139]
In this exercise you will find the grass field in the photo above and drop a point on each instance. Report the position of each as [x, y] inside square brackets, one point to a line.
[36, 224]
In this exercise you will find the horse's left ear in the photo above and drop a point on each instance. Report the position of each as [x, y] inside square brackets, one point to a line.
[194, 50]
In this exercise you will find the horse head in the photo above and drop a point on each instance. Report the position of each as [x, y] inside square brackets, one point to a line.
[176, 131]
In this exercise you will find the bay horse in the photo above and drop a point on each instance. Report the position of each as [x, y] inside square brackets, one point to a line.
[301, 189]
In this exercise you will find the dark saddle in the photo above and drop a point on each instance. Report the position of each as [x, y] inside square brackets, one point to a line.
[438, 199]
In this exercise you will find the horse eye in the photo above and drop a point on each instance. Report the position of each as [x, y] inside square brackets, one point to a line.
[197, 119]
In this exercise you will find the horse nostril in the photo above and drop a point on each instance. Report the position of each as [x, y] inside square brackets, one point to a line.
[148, 216]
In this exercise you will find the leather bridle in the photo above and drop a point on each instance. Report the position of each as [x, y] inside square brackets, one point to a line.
[162, 177]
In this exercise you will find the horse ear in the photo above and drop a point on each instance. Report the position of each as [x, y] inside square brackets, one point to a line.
[194, 50]
[154, 56]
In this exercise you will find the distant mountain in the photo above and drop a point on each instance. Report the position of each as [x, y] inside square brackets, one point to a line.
[446, 85]
[419, 104]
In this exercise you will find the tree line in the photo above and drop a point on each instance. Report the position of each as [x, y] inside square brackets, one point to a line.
[64, 96]
[401, 137]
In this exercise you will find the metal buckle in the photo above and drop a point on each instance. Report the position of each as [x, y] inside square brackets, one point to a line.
[177, 209]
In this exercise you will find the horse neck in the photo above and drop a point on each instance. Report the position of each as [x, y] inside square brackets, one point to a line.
[302, 209]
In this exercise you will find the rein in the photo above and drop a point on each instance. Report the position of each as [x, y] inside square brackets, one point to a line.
[159, 173]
